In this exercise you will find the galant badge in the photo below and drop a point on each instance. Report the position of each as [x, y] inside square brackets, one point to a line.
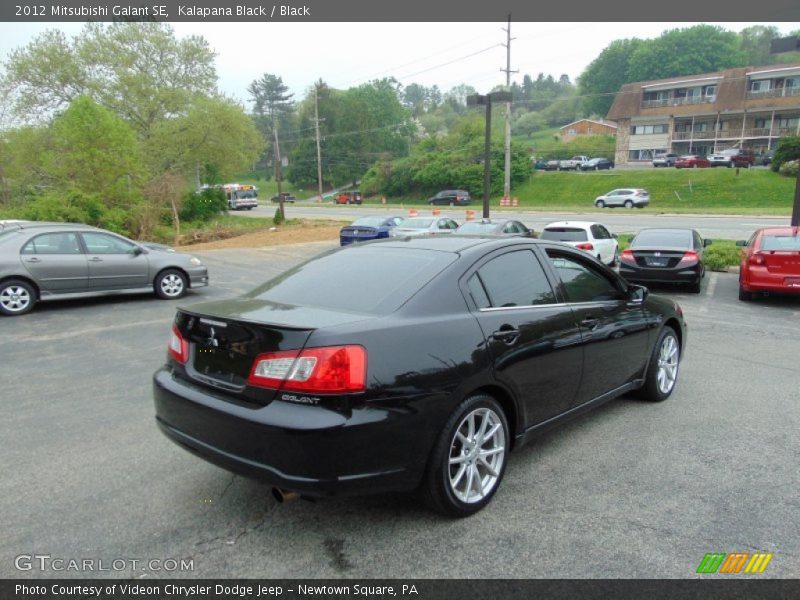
[212, 341]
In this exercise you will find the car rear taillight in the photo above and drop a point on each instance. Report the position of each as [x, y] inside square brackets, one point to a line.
[627, 257]
[585, 246]
[757, 259]
[690, 257]
[178, 347]
[332, 369]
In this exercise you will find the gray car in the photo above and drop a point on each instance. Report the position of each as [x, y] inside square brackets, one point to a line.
[49, 261]
[627, 197]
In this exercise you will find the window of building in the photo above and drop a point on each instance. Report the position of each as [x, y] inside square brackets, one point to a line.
[570, 131]
[649, 129]
[759, 85]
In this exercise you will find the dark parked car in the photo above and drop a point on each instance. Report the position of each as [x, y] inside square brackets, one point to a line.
[665, 256]
[552, 165]
[408, 363]
[692, 161]
[597, 164]
[368, 228]
[770, 262]
[495, 227]
[451, 198]
[50, 261]
[287, 197]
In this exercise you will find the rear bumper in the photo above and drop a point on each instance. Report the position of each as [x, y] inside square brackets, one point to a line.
[663, 275]
[764, 281]
[301, 448]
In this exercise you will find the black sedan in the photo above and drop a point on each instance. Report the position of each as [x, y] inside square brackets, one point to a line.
[665, 256]
[426, 373]
[495, 227]
[368, 228]
[597, 164]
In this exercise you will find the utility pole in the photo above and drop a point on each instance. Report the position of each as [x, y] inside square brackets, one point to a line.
[508, 71]
[481, 100]
[319, 154]
[278, 167]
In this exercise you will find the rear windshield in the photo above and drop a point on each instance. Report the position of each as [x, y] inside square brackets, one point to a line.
[564, 234]
[369, 221]
[780, 242]
[476, 227]
[418, 222]
[375, 281]
[662, 239]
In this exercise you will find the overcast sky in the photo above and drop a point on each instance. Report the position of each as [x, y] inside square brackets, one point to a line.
[343, 55]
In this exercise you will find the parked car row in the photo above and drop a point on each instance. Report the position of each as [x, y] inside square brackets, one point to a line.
[576, 163]
[374, 228]
[734, 157]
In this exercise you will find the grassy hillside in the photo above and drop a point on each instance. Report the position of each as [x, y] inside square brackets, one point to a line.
[753, 191]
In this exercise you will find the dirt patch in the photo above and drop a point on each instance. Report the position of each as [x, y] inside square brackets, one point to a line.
[275, 236]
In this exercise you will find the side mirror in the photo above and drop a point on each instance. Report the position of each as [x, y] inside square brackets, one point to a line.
[615, 236]
[137, 251]
[741, 243]
[637, 293]
[706, 243]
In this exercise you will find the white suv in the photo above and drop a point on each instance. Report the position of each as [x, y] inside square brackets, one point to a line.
[590, 237]
[665, 160]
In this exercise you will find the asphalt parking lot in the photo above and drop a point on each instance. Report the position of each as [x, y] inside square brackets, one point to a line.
[629, 490]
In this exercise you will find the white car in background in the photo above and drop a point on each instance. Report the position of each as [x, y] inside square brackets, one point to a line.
[423, 225]
[588, 236]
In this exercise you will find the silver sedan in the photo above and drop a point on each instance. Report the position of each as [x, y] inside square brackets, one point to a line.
[48, 261]
[424, 225]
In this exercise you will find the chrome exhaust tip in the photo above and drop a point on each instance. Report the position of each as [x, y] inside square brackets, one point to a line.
[284, 496]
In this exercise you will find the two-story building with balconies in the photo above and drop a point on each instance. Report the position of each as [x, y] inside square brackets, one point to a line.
[748, 107]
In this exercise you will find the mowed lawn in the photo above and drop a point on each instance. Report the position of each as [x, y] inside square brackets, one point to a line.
[715, 190]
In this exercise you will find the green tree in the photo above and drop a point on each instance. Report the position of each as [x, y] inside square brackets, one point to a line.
[788, 149]
[92, 151]
[688, 51]
[602, 79]
[214, 140]
[140, 71]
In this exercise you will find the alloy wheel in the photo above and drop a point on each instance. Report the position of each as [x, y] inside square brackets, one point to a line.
[667, 372]
[172, 285]
[15, 299]
[477, 455]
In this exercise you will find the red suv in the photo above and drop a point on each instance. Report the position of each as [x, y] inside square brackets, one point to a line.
[770, 262]
[349, 198]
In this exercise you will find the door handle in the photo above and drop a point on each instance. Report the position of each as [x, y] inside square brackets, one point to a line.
[95, 259]
[506, 334]
[590, 322]
[33, 259]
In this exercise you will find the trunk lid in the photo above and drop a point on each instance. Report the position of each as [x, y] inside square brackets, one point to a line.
[225, 337]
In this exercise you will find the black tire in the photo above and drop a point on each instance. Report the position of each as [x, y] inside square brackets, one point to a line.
[17, 297]
[652, 390]
[170, 284]
[442, 480]
[628, 203]
[600, 204]
[744, 295]
[694, 287]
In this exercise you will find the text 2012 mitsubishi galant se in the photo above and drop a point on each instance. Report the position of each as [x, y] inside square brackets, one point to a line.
[410, 363]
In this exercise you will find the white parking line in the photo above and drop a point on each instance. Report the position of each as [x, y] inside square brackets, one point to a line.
[712, 285]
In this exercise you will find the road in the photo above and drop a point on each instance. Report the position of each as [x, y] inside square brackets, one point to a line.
[618, 220]
[630, 490]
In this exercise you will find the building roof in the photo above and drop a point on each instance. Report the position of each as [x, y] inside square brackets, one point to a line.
[606, 123]
[731, 88]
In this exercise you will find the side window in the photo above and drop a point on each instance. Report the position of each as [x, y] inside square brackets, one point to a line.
[516, 279]
[596, 232]
[606, 233]
[53, 243]
[511, 227]
[101, 243]
[451, 224]
[582, 282]
[477, 292]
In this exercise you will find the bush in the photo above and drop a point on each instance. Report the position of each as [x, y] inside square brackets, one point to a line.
[278, 218]
[203, 206]
[789, 168]
[788, 149]
[721, 255]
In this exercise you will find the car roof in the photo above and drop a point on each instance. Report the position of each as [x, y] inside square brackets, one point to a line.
[451, 243]
[585, 224]
[779, 231]
[667, 229]
[46, 225]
